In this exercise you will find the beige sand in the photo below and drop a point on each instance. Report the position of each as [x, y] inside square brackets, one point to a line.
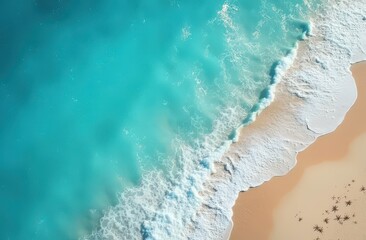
[275, 208]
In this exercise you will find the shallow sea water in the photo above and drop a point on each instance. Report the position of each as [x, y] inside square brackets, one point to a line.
[94, 95]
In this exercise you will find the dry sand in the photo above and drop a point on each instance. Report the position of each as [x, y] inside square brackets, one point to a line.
[289, 207]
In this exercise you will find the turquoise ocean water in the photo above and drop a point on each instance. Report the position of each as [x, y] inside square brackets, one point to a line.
[95, 94]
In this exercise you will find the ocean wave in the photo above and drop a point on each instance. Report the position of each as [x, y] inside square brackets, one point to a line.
[170, 207]
[197, 203]
[312, 99]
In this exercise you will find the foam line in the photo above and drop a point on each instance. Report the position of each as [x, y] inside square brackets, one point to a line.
[197, 204]
[315, 94]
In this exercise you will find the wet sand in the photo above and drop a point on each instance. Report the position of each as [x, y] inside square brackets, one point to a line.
[289, 207]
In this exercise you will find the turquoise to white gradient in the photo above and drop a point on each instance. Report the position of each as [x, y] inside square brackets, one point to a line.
[95, 94]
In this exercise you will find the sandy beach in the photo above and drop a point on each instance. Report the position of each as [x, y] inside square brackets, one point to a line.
[322, 197]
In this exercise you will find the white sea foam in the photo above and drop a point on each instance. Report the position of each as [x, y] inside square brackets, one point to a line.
[197, 205]
[314, 96]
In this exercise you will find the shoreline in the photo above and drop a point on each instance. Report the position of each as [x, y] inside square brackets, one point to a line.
[347, 167]
[317, 126]
[269, 151]
[254, 209]
[316, 80]
[336, 180]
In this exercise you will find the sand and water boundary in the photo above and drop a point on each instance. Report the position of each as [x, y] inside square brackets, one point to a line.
[286, 206]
